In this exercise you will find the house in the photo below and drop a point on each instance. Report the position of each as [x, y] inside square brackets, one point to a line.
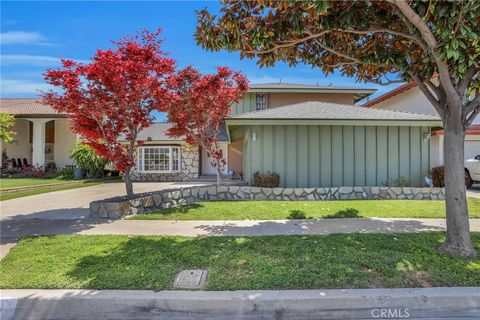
[409, 98]
[42, 134]
[313, 136]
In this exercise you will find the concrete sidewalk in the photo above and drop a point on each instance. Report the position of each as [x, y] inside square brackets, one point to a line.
[13, 229]
[421, 303]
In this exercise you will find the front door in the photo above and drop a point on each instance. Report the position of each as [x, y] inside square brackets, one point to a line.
[207, 168]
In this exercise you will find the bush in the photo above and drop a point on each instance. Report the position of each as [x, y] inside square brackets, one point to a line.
[87, 159]
[438, 176]
[64, 174]
[268, 180]
[32, 172]
[400, 182]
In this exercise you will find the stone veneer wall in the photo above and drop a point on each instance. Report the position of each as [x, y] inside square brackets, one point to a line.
[148, 202]
[189, 169]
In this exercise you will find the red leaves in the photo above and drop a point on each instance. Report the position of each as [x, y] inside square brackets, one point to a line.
[200, 104]
[111, 98]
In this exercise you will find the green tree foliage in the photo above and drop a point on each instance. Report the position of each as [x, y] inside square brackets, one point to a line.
[6, 122]
[373, 41]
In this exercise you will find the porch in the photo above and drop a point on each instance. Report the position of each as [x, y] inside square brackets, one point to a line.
[40, 141]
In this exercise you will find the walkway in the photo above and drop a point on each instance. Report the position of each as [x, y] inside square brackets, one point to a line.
[74, 203]
[17, 228]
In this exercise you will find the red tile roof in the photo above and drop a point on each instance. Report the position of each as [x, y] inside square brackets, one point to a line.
[27, 107]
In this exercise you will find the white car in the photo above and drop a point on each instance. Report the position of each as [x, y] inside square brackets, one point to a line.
[472, 171]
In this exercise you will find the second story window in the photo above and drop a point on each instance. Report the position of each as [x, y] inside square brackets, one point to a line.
[261, 101]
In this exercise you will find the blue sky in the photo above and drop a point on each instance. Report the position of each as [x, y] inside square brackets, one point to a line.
[34, 35]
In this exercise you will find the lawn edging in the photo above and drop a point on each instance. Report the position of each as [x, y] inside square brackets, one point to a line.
[419, 303]
[118, 207]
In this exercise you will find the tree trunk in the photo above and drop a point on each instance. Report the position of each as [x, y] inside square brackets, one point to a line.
[458, 240]
[128, 184]
[219, 172]
[128, 181]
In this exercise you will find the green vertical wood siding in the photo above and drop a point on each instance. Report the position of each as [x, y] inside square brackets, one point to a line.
[246, 104]
[332, 156]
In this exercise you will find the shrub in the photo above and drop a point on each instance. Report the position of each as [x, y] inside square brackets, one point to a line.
[268, 180]
[438, 176]
[87, 159]
[32, 172]
[64, 174]
[399, 182]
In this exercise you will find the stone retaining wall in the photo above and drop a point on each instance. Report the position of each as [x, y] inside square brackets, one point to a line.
[148, 202]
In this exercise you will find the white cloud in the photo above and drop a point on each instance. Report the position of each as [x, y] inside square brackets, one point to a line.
[31, 60]
[9, 87]
[23, 37]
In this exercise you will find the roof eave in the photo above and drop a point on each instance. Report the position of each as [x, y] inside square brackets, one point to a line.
[314, 90]
[349, 122]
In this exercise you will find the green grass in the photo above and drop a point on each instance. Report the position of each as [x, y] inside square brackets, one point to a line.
[15, 195]
[235, 263]
[271, 210]
[26, 182]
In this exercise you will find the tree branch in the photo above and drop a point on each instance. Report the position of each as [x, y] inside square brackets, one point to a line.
[467, 78]
[417, 21]
[434, 88]
[290, 43]
[471, 117]
[469, 107]
[434, 101]
[432, 43]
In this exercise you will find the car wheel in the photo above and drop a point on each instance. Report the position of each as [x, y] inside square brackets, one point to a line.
[468, 180]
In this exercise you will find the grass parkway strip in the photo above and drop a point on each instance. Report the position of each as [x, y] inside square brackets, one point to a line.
[234, 263]
[275, 210]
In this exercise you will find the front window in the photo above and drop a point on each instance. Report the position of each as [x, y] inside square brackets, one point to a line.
[161, 159]
[261, 101]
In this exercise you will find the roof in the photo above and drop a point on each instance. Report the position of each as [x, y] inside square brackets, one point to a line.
[392, 93]
[359, 93]
[158, 132]
[317, 110]
[24, 107]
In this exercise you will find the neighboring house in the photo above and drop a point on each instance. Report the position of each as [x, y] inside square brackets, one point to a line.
[42, 135]
[409, 98]
[313, 136]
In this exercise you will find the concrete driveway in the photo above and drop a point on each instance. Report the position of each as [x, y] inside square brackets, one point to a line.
[74, 203]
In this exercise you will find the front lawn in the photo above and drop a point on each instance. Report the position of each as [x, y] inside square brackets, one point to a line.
[235, 263]
[21, 194]
[6, 183]
[274, 210]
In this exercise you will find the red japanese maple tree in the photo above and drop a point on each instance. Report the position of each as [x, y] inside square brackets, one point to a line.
[110, 100]
[200, 106]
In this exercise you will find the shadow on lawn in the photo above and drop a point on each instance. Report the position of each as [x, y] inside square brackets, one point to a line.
[357, 261]
[183, 209]
[347, 213]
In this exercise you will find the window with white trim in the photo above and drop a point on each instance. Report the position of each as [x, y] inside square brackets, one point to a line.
[261, 101]
[158, 159]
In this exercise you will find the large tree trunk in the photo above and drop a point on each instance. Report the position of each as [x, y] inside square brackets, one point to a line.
[458, 230]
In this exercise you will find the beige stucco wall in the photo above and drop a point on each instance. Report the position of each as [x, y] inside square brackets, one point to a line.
[413, 100]
[64, 142]
[21, 147]
[282, 99]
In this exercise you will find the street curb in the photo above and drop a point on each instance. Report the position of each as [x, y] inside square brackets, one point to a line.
[417, 303]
